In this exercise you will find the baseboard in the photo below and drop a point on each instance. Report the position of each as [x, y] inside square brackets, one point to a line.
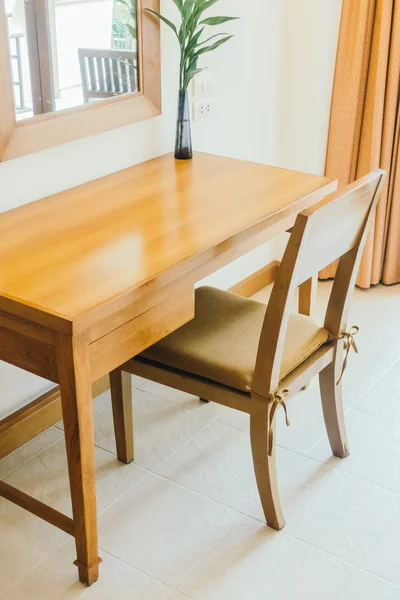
[44, 412]
[31, 420]
[256, 282]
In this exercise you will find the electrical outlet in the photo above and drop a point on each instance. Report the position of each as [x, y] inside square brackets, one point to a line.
[202, 109]
[203, 85]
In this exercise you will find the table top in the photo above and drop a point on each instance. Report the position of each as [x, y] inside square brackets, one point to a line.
[72, 252]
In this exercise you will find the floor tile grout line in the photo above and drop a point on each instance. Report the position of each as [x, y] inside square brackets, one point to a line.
[163, 477]
[33, 457]
[154, 471]
[333, 466]
[235, 510]
[302, 455]
[238, 512]
[223, 538]
[196, 412]
[121, 560]
[244, 515]
[181, 594]
[177, 406]
[111, 454]
[297, 453]
[36, 566]
[347, 409]
[175, 589]
[168, 457]
[211, 499]
[380, 535]
[217, 417]
[370, 387]
[343, 560]
[384, 419]
[184, 445]
[147, 473]
[283, 532]
[101, 551]
[328, 467]
[171, 588]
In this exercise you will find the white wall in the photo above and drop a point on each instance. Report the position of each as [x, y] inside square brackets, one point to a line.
[272, 102]
[74, 24]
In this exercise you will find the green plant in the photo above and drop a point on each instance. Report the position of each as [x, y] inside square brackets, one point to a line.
[190, 33]
[124, 24]
[130, 6]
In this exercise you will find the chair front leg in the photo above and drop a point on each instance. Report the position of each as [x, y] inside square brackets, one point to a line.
[121, 398]
[265, 465]
[332, 404]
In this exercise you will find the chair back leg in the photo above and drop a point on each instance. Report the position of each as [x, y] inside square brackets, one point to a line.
[121, 398]
[332, 405]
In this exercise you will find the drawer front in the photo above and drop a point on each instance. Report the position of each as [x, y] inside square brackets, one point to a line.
[125, 342]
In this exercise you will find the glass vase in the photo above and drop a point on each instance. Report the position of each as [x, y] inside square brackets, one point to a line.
[183, 144]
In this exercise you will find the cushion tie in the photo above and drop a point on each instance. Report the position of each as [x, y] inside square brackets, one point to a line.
[349, 343]
[277, 400]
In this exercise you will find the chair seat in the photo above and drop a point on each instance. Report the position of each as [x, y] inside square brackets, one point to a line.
[221, 342]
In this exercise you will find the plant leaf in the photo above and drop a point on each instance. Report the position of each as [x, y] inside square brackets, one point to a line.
[200, 8]
[217, 20]
[128, 6]
[164, 19]
[179, 5]
[213, 46]
[189, 76]
[132, 30]
[205, 5]
[193, 53]
[211, 38]
[193, 42]
[188, 7]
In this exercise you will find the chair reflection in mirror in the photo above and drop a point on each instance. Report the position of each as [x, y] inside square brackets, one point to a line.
[107, 73]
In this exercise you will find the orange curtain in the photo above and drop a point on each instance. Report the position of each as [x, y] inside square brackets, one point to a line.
[365, 124]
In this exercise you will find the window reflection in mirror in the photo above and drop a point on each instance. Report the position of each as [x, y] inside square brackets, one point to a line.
[66, 53]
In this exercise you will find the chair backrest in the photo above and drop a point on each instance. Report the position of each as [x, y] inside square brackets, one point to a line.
[335, 228]
[107, 73]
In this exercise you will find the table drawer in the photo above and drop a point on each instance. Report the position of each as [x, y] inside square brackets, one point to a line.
[121, 344]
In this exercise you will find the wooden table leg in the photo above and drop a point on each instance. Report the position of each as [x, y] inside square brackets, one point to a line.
[76, 399]
[308, 296]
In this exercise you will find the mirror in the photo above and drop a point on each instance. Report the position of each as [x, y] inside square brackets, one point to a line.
[70, 69]
[69, 53]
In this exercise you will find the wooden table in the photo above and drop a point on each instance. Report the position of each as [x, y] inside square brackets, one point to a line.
[94, 275]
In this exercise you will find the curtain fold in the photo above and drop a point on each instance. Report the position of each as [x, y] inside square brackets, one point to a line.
[365, 124]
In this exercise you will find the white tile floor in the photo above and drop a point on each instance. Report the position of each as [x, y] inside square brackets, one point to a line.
[185, 520]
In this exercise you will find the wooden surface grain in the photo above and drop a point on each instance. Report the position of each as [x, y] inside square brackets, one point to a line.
[69, 253]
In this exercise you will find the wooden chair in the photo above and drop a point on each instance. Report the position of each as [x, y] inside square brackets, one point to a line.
[250, 357]
[107, 73]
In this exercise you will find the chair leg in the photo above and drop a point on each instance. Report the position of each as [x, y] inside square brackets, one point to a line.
[307, 301]
[332, 404]
[121, 397]
[265, 467]
[308, 296]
